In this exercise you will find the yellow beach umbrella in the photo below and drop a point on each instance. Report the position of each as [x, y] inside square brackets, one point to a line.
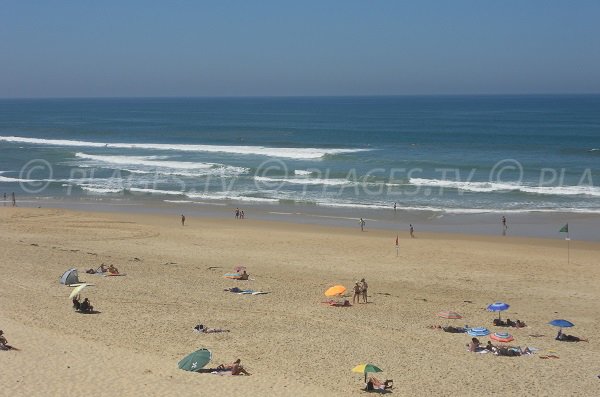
[335, 290]
[366, 368]
[77, 290]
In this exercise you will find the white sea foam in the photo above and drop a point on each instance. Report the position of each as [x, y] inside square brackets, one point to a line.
[182, 168]
[7, 179]
[230, 196]
[100, 190]
[293, 153]
[302, 172]
[304, 181]
[488, 187]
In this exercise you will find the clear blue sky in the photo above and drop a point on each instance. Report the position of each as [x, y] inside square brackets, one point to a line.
[276, 47]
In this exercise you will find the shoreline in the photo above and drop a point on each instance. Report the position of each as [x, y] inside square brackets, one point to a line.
[583, 226]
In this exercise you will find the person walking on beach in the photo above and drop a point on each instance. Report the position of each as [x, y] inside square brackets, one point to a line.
[504, 225]
[362, 224]
[412, 231]
[5, 199]
[182, 220]
[363, 288]
[395, 208]
[357, 292]
[242, 214]
[237, 213]
[14, 200]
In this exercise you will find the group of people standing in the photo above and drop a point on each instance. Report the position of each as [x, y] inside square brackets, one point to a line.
[360, 291]
[239, 214]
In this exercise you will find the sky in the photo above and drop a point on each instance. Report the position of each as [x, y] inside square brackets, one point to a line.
[293, 48]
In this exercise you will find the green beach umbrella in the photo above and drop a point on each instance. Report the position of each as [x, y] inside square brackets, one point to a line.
[366, 368]
[196, 360]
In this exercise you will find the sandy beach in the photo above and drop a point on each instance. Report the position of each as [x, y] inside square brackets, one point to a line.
[291, 343]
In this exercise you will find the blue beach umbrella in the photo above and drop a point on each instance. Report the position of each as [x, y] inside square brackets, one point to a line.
[498, 307]
[561, 323]
[478, 331]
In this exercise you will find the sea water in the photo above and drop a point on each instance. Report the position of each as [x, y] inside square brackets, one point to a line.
[431, 154]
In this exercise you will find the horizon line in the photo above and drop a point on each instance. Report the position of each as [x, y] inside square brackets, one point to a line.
[302, 96]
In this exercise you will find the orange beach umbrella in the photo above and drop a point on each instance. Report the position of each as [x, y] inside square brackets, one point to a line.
[335, 290]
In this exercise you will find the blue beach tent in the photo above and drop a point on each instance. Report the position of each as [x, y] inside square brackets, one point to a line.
[69, 277]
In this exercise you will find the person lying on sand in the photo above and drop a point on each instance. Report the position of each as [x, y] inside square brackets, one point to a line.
[235, 368]
[569, 338]
[449, 328]
[374, 383]
[500, 323]
[113, 270]
[511, 351]
[489, 347]
[205, 330]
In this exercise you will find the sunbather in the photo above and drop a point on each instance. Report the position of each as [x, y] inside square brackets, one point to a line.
[4, 343]
[454, 330]
[569, 338]
[244, 276]
[474, 346]
[510, 323]
[235, 368]
[86, 306]
[511, 351]
[76, 302]
[375, 384]
[205, 330]
[489, 347]
[113, 270]
[500, 323]
[520, 324]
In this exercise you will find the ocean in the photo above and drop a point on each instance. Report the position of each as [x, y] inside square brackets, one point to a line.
[431, 155]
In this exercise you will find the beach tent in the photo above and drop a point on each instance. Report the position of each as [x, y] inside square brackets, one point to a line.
[70, 277]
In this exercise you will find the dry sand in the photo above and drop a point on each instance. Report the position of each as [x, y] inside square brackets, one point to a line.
[288, 340]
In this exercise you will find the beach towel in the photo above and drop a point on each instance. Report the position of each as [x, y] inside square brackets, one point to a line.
[234, 276]
[222, 373]
[113, 274]
[339, 304]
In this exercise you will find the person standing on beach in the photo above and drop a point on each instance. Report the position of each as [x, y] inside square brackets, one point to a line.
[412, 231]
[5, 199]
[362, 224]
[357, 292]
[363, 288]
[182, 220]
[242, 214]
[14, 200]
[504, 225]
[395, 208]
[237, 213]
